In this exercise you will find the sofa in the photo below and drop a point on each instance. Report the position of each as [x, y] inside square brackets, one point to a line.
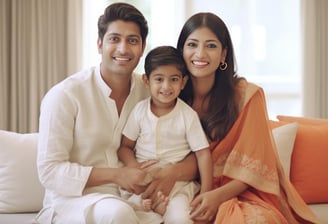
[302, 146]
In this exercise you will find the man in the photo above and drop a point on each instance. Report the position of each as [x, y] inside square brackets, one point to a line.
[80, 130]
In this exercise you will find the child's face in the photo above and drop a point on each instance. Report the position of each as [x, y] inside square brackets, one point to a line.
[165, 84]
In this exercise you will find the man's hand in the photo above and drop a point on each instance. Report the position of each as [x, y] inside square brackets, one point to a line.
[162, 181]
[165, 178]
[133, 180]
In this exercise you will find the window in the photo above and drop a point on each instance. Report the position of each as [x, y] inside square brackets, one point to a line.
[266, 37]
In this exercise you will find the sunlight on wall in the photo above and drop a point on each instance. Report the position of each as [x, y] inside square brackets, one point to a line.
[91, 12]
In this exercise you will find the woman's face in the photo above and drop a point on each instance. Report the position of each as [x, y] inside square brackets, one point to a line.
[203, 52]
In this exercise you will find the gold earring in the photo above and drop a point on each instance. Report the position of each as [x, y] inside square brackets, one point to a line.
[223, 66]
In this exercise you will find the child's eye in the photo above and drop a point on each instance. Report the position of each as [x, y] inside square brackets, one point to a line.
[175, 79]
[158, 79]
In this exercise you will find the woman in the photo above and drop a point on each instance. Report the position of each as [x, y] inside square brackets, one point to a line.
[249, 185]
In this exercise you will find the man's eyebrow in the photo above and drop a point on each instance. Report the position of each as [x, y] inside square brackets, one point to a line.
[130, 35]
[134, 35]
[113, 34]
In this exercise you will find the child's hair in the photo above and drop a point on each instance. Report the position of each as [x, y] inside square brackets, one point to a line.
[164, 55]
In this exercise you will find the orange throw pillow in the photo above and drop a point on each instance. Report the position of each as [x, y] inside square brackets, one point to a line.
[309, 163]
[302, 120]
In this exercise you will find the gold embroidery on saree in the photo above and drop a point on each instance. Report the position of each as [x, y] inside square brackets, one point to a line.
[254, 166]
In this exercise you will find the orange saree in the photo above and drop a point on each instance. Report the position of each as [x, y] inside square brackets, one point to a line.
[248, 154]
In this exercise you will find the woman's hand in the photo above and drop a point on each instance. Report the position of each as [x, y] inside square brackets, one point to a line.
[205, 207]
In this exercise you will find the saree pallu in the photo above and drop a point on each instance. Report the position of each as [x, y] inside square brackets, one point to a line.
[248, 154]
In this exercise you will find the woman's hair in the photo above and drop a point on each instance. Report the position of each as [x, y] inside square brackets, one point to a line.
[164, 55]
[125, 12]
[222, 110]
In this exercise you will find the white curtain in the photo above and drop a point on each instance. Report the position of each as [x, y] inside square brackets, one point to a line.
[40, 45]
[315, 33]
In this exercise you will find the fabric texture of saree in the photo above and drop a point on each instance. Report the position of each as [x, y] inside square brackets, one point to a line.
[248, 154]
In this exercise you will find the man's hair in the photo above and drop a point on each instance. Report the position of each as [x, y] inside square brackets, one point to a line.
[164, 55]
[124, 12]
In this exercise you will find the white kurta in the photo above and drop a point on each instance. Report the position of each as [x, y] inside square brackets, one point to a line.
[168, 138]
[79, 129]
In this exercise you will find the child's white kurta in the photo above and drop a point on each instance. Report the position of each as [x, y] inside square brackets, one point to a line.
[79, 129]
[168, 139]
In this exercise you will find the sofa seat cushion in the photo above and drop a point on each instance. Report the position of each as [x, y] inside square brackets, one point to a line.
[321, 210]
[20, 188]
[17, 218]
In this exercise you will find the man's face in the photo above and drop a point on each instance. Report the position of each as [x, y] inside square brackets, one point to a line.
[121, 48]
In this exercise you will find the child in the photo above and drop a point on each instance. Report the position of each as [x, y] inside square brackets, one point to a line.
[165, 129]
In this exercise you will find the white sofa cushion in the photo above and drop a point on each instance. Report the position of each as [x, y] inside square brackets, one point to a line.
[284, 137]
[20, 188]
